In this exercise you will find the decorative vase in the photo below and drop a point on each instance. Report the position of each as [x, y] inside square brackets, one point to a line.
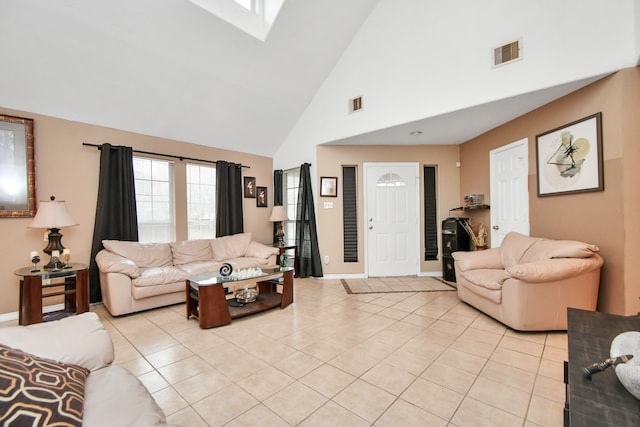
[481, 248]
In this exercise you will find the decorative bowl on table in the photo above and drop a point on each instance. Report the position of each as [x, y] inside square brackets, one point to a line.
[628, 343]
[247, 295]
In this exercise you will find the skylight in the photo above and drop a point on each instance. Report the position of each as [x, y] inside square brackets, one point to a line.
[254, 17]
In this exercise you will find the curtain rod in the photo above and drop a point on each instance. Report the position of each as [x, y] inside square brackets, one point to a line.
[181, 158]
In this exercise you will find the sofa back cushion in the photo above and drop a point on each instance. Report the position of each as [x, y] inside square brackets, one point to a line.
[513, 247]
[188, 251]
[228, 247]
[145, 255]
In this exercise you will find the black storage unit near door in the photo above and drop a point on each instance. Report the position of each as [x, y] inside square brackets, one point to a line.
[454, 238]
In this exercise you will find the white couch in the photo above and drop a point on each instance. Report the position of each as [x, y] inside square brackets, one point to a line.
[136, 276]
[528, 282]
[112, 395]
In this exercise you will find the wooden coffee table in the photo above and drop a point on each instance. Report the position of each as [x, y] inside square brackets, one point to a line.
[206, 296]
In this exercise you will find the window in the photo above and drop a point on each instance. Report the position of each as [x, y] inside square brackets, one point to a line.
[154, 200]
[201, 202]
[291, 187]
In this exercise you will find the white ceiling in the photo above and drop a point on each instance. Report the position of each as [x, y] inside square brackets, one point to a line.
[170, 69]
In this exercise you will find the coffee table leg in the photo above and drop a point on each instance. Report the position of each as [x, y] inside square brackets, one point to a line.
[213, 308]
[287, 289]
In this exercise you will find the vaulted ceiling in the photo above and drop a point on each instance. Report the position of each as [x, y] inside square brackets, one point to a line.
[170, 69]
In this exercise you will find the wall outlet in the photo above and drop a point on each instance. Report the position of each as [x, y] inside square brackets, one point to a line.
[326, 259]
[328, 205]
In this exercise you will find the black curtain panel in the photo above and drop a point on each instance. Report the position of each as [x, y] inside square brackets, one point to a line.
[229, 217]
[277, 195]
[116, 215]
[306, 232]
[277, 187]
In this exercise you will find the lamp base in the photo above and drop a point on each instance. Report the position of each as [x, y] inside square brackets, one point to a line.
[279, 235]
[54, 264]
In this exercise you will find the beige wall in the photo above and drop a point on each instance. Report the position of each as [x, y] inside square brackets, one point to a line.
[67, 169]
[331, 158]
[606, 218]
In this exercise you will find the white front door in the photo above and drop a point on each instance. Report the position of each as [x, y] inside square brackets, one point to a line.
[392, 226]
[509, 167]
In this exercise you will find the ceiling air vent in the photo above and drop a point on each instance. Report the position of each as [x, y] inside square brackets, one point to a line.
[508, 53]
[355, 104]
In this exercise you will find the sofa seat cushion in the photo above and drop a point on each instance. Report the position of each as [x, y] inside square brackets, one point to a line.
[37, 391]
[195, 268]
[188, 251]
[141, 292]
[159, 276]
[228, 247]
[145, 255]
[486, 283]
[104, 407]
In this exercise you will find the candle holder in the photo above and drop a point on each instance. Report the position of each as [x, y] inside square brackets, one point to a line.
[35, 260]
[66, 256]
[56, 263]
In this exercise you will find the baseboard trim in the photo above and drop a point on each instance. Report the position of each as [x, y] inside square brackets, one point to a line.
[7, 317]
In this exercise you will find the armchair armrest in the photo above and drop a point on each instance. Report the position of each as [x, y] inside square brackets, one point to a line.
[108, 262]
[80, 340]
[489, 258]
[554, 269]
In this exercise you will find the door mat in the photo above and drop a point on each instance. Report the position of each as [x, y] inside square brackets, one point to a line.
[382, 285]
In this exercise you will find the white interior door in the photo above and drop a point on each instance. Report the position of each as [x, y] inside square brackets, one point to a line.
[392, 219]
[509, 190]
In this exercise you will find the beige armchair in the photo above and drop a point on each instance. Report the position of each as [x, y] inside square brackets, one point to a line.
[528, 282]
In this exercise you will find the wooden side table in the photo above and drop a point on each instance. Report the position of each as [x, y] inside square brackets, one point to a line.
[40, 284]
[283, 250]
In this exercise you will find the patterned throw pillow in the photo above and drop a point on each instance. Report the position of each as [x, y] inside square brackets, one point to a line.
[39, 392]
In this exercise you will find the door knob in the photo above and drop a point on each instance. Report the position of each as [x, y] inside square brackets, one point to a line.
[496, 227]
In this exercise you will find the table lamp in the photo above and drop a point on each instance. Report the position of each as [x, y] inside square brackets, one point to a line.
[279, 214]
[53, 215]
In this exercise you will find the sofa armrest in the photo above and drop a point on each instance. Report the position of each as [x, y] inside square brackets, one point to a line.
[80, 340]
[489, 258]
[549, 270]
[108, 262]
[259, 250]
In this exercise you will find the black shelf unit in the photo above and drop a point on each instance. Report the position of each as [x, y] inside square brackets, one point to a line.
[454, 238]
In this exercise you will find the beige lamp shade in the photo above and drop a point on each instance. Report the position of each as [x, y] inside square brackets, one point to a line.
[52, 214]
[278, 214]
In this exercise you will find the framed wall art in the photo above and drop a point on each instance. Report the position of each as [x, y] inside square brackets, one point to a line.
[569, 158]
[329, 186]
[17, 168]
[249, 187]
[261, 197]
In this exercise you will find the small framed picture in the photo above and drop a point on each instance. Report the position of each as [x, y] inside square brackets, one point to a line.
[261, 197]
[329, 186]
[249, 187]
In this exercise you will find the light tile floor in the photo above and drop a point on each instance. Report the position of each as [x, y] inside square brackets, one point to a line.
[401, 359]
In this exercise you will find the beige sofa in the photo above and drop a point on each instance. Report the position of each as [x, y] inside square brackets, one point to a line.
[108, 396]
[528, 283]
[136, 276]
